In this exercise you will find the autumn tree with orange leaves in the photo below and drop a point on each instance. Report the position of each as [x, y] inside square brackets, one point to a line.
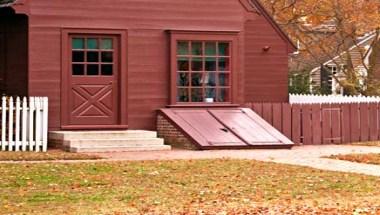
[344, 21]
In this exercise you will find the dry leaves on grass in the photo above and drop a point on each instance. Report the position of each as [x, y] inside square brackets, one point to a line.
[183, 187]
[49, 156]
[371, 143]
[359, 158]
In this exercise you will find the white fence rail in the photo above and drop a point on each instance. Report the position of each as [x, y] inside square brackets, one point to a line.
[330, 99]
[24, 124]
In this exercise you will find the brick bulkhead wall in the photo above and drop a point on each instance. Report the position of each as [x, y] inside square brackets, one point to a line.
[172, 135]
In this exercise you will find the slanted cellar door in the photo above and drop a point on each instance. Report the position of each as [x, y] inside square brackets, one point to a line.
[226, 128]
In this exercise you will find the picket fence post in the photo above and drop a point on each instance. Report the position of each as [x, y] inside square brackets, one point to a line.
[24, 123]
[10, 125]
[31, 123]
[45, 109]
[17, 136]
[3, 122]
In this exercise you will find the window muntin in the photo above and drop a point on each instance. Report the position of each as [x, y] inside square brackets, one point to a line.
[203, 71]
[92, 55]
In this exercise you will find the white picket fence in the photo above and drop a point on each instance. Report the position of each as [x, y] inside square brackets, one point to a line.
[330, 99]
[24, 124]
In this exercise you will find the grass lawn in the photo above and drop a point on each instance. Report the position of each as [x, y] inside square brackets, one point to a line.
[183, 187]
[50, 155]
[359, 158]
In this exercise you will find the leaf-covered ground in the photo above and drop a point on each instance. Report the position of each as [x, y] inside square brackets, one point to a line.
[183, 187]
[371, 143]
[49, 156]
[359, 158]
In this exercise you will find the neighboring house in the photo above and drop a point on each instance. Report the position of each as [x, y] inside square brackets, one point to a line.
[112, 64]
[323, 75]
[312, 36]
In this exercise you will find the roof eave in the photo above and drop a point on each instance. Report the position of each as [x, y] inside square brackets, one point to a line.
[257, 5]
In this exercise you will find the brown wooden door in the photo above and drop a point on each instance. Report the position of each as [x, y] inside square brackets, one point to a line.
[93, 91]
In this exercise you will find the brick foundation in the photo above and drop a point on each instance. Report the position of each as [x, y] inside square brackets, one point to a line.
[172, 135]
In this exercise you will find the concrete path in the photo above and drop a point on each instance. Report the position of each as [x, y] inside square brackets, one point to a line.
[309, 156]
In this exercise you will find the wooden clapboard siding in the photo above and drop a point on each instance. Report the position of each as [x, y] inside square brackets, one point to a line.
[261, 76]
[265, 70]
[45, 69]
[314, 124]
[148, 77]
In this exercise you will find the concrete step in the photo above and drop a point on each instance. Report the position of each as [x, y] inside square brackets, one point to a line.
[119, 149]
[126, 142]
[107, 141]
[80, 135]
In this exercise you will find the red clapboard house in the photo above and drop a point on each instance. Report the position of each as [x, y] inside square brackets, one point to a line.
[116, 70]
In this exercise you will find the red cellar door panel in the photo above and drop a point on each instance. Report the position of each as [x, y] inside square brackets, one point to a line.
[250, 127]
[203, 128]
[209, 128]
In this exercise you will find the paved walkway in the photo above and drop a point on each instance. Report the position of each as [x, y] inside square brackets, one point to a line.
[309, 156]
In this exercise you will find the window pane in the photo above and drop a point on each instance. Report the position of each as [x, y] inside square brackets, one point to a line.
[210, 48]
[223, 95]
[183, 48]
[197, 95]
[210, 95]
[196, 79]
[107, 70]
[183, 95]
[224, 64]
[107, 57]
[77, 43]
[78, 56]
[183, 79]
[106, 43]
[224, 49]
[183, 64]
[204, 75]
[92, 43]
[224, 79]
[197, 64]
[78, 69]
[92, 69]
[92, 56]
[196, 48]
[210, 79]
[210, 64]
